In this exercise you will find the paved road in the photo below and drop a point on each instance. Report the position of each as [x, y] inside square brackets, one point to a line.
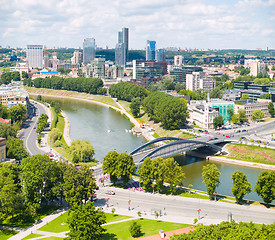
[28, 133]
[180, 209]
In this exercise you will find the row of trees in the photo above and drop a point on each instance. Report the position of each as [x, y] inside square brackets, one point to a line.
[7, 77]
[229, 231]
[170, 111]
[41, 125]
[127, 91]
[80, 84]
[265, 186]
[36, 181]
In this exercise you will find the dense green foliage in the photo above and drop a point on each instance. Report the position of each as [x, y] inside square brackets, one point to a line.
[119, 165]
[16, 149]
[7, 131]
[211, 176]
[194, 95]
[154, 173]
[85, 222]
[218, 121]
[240, 185]
[170, 111]
[127, 91]
[230, 231]
[82, 151]
[271, 109]
[265, 186]
[257, 115]
[80, 84]
[17, 113]
[135, 106]
[135, 229]
[3, 111]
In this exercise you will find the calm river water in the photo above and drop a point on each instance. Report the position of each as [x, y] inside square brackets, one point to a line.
[107, 130]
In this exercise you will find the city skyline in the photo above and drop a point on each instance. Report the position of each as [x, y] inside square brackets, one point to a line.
[180, 23]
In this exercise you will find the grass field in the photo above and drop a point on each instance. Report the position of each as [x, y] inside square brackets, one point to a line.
[6, 234]
[148, 228]
[250, 156]
[63, 93]
[51, 238]
[32, 235]
[59, 224]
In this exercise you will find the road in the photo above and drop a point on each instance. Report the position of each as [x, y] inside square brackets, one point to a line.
[180, 209]
[28, 133]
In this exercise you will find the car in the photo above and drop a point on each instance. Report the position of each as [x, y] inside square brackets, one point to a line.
[110, 193]
[211, 139]
[244, 130]
[200, 131]
[227, 136]
[238, 131]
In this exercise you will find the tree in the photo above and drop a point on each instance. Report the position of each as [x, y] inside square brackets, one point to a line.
[230, 112]
[39, 98]
[262, 81]
[235, 118]
[245, 96]
[61, 70]
[135, 106]
[125, 167]
[25, 75]
[82, 151]
[216, 93]
[85, 222]
[7, 131]
[242, 115]
[271, 109]
[173, 174]
[6, 78]
[79, 184]
[218, 121]
[265, 186]
[15, 76]
[3, 111]
[135, 229]
[18, 113]
[110, 162]
[146, 173]
[240, 185]
[16, 149]
[168, 82]
[211, 175]
[257, 115]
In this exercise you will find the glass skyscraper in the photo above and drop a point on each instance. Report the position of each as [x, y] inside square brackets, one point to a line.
[88, 50]
[150, 50]
[160, 55]
[121, 52]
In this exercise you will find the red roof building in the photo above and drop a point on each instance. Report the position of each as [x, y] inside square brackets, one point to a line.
[6, 121]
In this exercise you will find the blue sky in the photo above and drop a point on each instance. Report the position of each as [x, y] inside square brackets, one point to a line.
[241, 24]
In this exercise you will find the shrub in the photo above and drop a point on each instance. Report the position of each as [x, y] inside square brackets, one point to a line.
[135, 229]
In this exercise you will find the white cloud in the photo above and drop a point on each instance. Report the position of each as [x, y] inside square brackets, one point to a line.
[185, 23]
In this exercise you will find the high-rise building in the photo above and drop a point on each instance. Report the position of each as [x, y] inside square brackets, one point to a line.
[46, 59]
[150, 50]
[35, 56]
[77, 57]
[120, 54]
[198, 80]
[98, 67]
[160, 55]
[122, 47]
[178, 59]
[88, 50]
[256, 68]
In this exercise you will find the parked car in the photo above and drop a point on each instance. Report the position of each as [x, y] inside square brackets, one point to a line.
[227, 136]
[110, 193]
[238, 131]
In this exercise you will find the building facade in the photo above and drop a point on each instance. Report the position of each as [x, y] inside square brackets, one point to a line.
[180, 72]
[2, 149]
[161, 55]
[120, 54]
[77, 57]
[256, 68]
[88, 50]
[150, 50]
[178, 60]
[35, 56]
[198, 80]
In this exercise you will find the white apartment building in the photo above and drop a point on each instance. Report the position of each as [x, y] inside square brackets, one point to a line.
[202, 114]
[77, 57]
[256, 68]
[262, 105]
[198, 80]
[178, 60]
[35, 56]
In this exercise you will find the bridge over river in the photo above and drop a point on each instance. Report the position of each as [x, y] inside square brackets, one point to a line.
[169, 146]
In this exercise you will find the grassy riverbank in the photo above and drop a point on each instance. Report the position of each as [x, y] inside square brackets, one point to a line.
[250, 153]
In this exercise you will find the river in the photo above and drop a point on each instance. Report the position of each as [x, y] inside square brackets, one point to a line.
[107, 130]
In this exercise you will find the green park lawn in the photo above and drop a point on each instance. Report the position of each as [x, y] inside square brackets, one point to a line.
[59, 224]
[6, 234]
[148, 228]
[32, 235]
[250, 157]
[51, 238]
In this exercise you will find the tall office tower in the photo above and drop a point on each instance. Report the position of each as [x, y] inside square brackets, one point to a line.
[150, 50]
[46, 59]
[35, 56]
[123, 37]
[120, 54]
[161, 55]
[88, 50]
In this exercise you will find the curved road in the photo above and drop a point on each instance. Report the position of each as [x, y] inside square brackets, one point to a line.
[28, 133]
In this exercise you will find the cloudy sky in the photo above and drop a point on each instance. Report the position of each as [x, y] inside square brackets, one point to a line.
[246, 24]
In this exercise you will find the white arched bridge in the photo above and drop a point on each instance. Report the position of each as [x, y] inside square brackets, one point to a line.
[172, 147]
